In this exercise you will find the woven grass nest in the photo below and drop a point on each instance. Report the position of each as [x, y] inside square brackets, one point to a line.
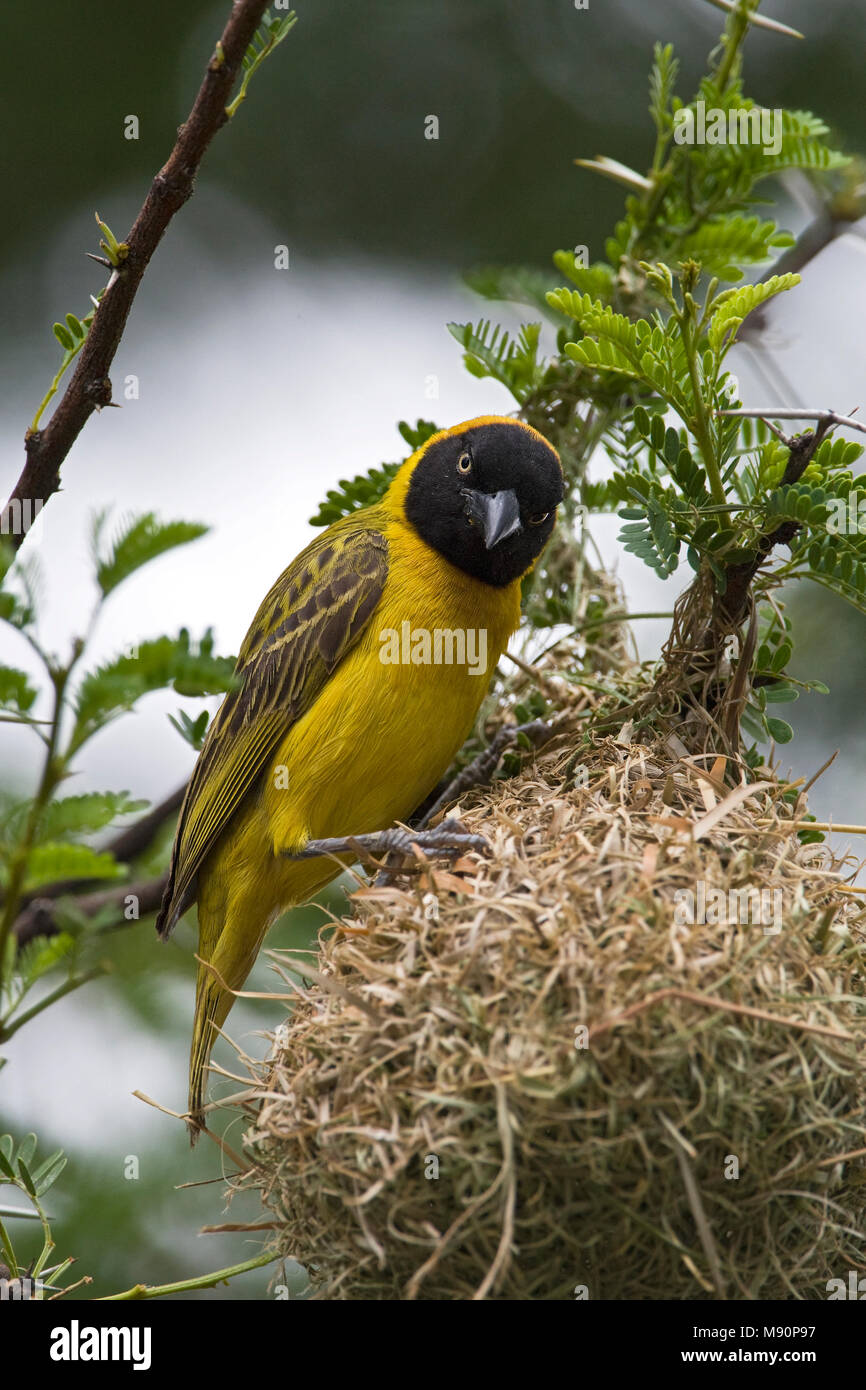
[526, 1077]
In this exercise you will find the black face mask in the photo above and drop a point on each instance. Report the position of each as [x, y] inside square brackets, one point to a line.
[486, 499]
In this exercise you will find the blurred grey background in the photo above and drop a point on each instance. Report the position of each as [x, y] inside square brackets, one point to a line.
[258, 388]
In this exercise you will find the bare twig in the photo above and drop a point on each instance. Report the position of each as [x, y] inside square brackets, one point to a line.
[828, 826]
[201, 1281]
[41, 917]
[768, 413]
[90, 387]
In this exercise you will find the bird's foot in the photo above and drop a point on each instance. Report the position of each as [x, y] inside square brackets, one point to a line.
[449, 839]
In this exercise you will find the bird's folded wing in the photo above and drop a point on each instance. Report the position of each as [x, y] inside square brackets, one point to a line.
[311, 618]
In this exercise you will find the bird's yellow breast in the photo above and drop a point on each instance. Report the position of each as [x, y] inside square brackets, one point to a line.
[389, 721]
[373, 745]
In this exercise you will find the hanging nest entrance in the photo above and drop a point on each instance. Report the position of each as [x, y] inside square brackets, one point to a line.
[538, 1076]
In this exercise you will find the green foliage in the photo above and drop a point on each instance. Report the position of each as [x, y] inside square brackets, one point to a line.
[735, 305]
[351, 494]
[698, 205]
[16, 590]
[533, 707]
[54, 860]
[490, 351]
[649, 534]
[16, 692]
[139, 540]
[35, 960]
[33, 1176]
[648, 329]
[73, 332]
[702, 488]
[192, 731]
[663, 78]
[267, 37]
[365, 489]
[417, 435]
[116, 251]
[44, 839]
[639, 369]
[519, 284]
[595, 281]
[83, 814]
[770, 686]
[640, 352]
[70, 336]
[41, 955]
[723, 248]
[18, 1166]
[176, 663]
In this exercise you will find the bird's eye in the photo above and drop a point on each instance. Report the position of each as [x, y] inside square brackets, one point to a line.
[537, 520]
[464, 463]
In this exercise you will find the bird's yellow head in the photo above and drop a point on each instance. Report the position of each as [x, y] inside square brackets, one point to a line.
[484, 495]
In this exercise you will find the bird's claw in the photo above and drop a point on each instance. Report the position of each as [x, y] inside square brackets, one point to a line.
[449, 839]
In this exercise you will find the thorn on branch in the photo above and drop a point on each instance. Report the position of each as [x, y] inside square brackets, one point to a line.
[99, 392]
[179, 187]
[758, 21]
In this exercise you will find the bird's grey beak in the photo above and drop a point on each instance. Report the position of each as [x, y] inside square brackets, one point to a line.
[497, 514]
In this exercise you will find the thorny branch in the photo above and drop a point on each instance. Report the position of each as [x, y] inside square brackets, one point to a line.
[43, 916]
[701, 629]
[731, 608]
[90, 387]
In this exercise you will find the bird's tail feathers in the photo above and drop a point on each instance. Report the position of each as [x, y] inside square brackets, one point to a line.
[212, 1004]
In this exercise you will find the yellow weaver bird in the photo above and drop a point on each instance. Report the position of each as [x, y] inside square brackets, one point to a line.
[326, 737]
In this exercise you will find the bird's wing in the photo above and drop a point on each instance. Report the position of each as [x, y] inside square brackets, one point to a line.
[311, 618]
